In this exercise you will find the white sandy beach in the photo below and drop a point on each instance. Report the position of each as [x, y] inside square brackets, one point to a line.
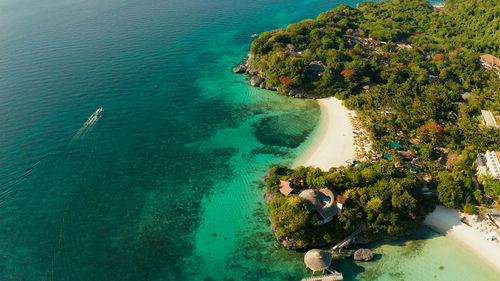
[447, 221]
[334, 145]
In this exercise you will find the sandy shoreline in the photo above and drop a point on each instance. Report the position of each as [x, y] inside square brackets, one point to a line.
[333, 146]
[447, 221]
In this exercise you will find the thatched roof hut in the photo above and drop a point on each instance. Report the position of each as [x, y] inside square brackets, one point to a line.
[318, 260]
[285, 188]
[312, 197]
[322, 200]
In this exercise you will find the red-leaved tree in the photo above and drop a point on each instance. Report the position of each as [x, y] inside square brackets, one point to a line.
[285, 80]
[431, 131]
[347, 73]
[439, 57]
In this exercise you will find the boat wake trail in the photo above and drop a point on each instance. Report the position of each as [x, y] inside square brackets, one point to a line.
[89, 124]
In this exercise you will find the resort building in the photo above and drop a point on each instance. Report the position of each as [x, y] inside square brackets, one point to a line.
[488, 119]
[285, 188]
[403, 46]
[481, 169]
[317, 67]
[340, 202]
[323, 201]
[488, 164]
[491, 62]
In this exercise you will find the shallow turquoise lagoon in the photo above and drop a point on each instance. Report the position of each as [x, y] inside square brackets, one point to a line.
[167, 183]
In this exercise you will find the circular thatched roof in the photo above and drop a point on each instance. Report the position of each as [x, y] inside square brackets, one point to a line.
[318, 260]
[318, 199]
[327, 193]
[322, 200]
[313, 197]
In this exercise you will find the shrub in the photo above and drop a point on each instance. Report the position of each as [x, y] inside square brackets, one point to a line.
[290, 215]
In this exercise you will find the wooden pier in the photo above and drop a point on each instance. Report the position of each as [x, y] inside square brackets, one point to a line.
[344, 243]
[335, 275]
[329, 277]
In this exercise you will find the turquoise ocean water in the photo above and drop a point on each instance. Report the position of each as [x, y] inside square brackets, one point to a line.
[167, 184]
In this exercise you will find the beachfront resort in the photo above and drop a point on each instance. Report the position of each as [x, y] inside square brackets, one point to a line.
[361, 141]
[491, 62]
[404, 127]
[488, 164]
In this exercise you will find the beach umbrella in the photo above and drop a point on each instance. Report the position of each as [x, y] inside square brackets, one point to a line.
[318, 260]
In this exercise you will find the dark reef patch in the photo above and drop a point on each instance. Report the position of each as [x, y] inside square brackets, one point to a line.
[286, 130]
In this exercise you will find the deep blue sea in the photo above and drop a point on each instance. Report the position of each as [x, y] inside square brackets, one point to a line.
[164, 184]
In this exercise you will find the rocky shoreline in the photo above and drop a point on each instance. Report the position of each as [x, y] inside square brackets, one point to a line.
[257, 79]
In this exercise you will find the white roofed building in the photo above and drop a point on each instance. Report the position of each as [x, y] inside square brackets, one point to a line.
[488, 119]
[489, 164]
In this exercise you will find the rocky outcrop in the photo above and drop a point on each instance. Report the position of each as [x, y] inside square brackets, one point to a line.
[240, 69]
[256, 80]
[363, 255]
[270, 196]
[271, 173]
[297, 94]
[253, 71]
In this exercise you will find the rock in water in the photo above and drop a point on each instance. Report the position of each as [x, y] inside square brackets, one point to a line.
[256, 81]
[240, 69]
[363, 255]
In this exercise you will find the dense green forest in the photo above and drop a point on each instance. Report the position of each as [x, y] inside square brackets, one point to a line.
[404, 66]
[455, 35]
[413, 85]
